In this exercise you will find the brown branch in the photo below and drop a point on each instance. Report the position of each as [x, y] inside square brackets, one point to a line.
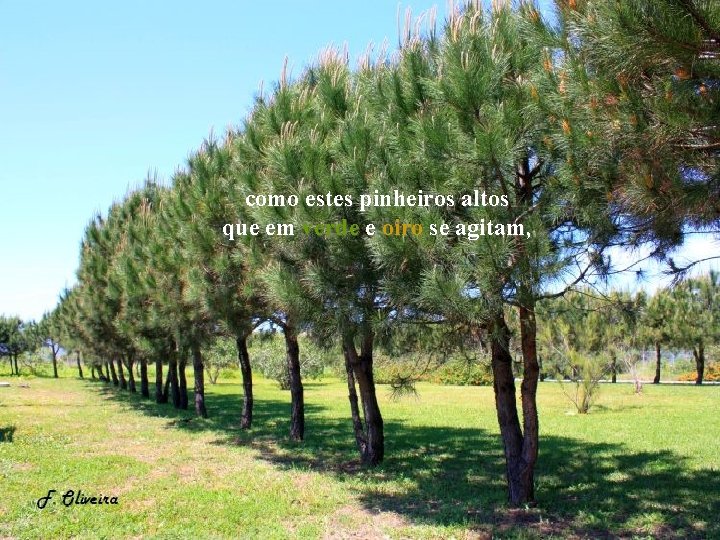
[679, 270]
[701, 147]
[580, 277]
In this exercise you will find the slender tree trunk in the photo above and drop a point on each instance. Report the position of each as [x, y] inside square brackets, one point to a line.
[199, 372]
[505, 403]
[528, 389]
[92, 372]
[79, 365]
[160, 395]
[144, 383]
[166, 387]
[54, 360]
[182, 379]
[297, 399]
[115, 380]
[12, 369]
[246, 372]
[131, 375]
[656, 380]
[121, 374]
[173, 378]
[362, 368]
[17, 369]
[613, 365]
[358, 429]
[699, 354]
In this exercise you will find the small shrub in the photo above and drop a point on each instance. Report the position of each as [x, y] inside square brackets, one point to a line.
[387, 370]
[584, 385]
[712, 374]
[464, 372]
[458, 371]
[221, 356]
[267, 354]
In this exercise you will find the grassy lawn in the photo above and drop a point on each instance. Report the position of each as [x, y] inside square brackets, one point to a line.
[636, 467]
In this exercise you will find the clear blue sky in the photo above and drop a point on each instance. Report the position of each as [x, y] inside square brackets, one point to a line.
[93, 95]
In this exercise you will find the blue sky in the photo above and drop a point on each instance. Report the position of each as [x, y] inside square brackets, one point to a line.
[93, 95]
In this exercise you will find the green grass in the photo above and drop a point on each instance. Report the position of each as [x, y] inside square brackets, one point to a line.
[636, 467]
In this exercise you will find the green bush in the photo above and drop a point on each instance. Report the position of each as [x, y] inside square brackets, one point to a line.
[267, 354]
[584, 385]
[219, 357]
[387, 370]
[464, 372]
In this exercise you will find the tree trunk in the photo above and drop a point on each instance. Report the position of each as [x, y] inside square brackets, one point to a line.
[12, 369]
[17, 369]
[173, 378]
[699, 354]
[144, 383]
[521, 445]
[613, 366]
[246, 371]
[362, 369]
[528, 389]
[160, 395]
[199, 372]
[656, 380]
[92, 372]
[166, 387]
[79, 365]
[131, 375]
[182, 379]
[121, 374]
[54, 359]
[111, 365]
[518, 456]
[297, 402]
[360, 438]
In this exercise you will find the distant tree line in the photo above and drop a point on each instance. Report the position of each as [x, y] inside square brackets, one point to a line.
[683, 317]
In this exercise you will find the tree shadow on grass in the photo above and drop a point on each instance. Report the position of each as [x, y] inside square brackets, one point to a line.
[455, 476]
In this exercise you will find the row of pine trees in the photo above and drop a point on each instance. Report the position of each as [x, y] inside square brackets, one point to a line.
[600, 129]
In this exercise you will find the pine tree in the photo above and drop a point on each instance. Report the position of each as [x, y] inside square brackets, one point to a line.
[70, 332]
[263, 254]
[225, 284]
[99, 302]
[310, 139]
[482, 111]
[131, 270]
[650, 74]
[656, 326]
[49, 331]
[697, 316]
[175, 308]
[15, 339]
